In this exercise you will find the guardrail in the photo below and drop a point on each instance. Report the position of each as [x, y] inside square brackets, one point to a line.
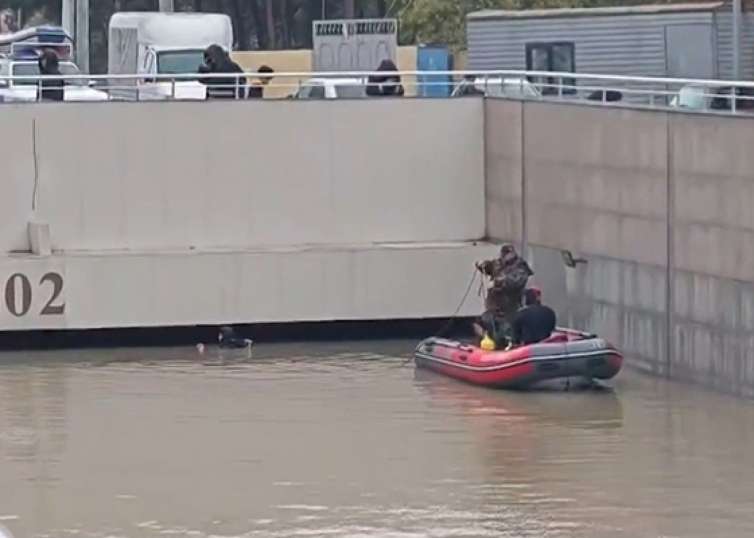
[695, 94]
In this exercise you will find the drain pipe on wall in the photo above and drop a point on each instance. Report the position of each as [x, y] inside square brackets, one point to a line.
[38, 229]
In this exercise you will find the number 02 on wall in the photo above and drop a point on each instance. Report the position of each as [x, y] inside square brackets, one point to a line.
[20, 292]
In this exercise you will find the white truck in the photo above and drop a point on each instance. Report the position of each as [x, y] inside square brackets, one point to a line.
[151, 43]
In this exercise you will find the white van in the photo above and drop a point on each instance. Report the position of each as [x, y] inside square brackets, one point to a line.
[153, 43]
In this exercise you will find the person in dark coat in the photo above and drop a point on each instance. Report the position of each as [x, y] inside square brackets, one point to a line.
[385, 85]
[535, 322]
[217, 60]
[49, 65]
[509, 274]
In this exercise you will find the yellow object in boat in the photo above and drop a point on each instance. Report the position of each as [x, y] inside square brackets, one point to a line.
[487, 344]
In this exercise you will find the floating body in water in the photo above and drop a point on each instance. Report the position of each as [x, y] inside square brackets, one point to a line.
[228, 340]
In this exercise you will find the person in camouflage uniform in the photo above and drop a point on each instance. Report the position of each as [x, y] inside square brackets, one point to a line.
[509, 274]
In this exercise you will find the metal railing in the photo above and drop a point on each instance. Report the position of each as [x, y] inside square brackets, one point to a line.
[657, 92]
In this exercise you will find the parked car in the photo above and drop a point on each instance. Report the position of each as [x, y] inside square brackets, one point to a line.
[696, 97]
[332, 88]
[27, 90]
[515, 88]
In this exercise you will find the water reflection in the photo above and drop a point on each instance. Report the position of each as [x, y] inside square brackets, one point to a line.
[584, 407]
[33, 433]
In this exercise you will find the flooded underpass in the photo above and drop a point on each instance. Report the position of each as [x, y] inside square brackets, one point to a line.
[348, 440]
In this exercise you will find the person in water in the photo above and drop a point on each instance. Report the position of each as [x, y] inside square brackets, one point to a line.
[535, 322]
[228, 339]
[509, 274]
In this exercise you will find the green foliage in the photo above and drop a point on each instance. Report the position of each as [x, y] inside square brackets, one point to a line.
[442, 21]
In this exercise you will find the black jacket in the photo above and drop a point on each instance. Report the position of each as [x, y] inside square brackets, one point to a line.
[224, 87]
[533, 324]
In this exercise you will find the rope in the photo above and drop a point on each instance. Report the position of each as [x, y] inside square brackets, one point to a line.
[452, 319]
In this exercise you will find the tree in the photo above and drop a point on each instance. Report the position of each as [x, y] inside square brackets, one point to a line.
[349, 9]
[442, 21]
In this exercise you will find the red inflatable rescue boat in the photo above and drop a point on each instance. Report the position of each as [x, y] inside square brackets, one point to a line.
[566, 354]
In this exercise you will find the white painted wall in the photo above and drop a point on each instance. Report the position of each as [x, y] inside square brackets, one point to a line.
[16, 177]
[178, 175]
[263, 285]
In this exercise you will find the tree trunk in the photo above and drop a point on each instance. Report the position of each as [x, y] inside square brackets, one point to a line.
[286, 43]
[242, 36]
[270, 25]
[349, 9]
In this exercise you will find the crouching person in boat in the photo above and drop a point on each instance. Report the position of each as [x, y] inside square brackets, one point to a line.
[509, 274]
[534, 322]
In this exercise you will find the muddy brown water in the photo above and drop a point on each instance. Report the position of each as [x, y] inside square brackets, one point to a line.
[346, 439]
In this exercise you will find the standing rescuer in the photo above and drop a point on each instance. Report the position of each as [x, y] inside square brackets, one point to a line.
[509, 274]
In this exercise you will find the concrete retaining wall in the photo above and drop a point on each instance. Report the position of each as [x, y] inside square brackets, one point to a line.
[181, 288]
[659, 204]
[205, 175]
[713, 251]
[241, 212]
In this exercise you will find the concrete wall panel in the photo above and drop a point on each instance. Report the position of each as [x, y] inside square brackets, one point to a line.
[155, 175]
[503, 167]
[596, 181]
[17, 176]
[150, 289]
[714, 195]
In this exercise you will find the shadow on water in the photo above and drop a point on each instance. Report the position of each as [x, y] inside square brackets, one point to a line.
[329, 331]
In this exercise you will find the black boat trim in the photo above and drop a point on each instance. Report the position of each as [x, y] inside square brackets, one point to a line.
[555, 357]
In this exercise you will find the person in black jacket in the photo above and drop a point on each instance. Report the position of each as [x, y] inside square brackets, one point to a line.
[50, 90]
[385, 85]
[216, 60]
[535, 322]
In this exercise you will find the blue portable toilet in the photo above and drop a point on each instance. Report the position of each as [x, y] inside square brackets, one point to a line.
[434, 58]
